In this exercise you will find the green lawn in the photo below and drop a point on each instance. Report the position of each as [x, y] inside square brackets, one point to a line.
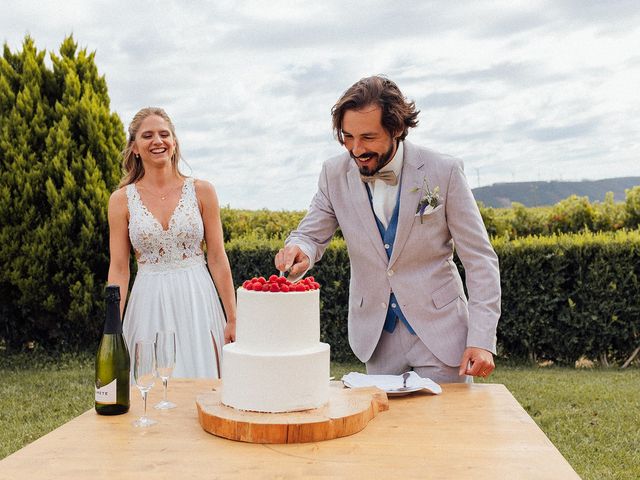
[38, 395]
[592, 416]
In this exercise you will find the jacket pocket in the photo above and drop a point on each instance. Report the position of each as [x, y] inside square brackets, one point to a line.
[438, 212]
[446, 294]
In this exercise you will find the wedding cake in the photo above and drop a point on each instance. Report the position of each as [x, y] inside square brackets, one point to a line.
[277, 363]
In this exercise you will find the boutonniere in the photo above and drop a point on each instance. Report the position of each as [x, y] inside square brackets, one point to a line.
[430, 199]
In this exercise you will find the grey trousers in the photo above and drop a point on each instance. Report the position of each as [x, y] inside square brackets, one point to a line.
[400, 351]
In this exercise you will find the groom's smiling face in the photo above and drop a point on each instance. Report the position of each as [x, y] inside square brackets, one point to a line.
[368, 143]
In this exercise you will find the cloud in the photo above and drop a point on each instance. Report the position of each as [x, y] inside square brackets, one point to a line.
[518, 91]
[563, 132]
[607, 17]
[448, 99]
[501, 24]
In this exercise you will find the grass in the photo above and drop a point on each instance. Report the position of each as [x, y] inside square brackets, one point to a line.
[39, 394]
[591, 416]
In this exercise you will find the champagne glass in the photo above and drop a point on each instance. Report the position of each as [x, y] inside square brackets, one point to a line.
[144, 368]
[165, 361]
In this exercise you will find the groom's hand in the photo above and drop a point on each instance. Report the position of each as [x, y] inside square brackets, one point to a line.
[293, 260]
[477, 362]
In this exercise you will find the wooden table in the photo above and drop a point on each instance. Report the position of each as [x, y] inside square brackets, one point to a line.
[467, 432]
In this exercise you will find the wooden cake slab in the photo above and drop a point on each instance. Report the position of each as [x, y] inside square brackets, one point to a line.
[348, 411]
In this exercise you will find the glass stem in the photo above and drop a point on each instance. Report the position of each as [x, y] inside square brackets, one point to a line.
[144, 399]
[164, 384]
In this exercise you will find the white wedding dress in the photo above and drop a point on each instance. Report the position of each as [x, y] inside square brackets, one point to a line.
[173, 289]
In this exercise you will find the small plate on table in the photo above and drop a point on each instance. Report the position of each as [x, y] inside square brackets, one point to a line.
[392, 385]
[399, 392]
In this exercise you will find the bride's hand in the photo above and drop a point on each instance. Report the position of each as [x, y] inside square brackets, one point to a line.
[230, 332]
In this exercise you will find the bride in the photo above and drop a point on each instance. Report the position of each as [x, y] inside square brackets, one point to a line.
[167, 217]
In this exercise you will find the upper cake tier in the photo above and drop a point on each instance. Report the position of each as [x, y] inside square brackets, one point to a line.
[276, 322]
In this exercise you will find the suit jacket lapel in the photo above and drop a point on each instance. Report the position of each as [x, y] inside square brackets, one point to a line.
[362, 208]
[413, 173]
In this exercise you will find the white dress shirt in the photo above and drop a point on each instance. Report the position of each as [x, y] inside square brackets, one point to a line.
[383, 196]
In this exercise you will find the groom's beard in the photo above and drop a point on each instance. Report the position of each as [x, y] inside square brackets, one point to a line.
[381, 161]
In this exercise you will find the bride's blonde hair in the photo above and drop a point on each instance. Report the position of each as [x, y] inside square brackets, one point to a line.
[131, 163]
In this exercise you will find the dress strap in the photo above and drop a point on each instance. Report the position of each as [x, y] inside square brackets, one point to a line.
[190, 190]
[134, 203]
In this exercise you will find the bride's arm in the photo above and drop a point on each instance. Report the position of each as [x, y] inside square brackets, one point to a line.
[217, 259]
[119, 244]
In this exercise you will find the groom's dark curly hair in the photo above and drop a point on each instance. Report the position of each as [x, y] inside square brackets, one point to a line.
[398, 114]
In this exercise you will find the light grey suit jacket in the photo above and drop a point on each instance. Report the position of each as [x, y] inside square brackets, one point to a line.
[421, 271]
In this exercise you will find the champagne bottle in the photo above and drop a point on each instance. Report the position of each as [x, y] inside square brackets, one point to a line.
[112, 361]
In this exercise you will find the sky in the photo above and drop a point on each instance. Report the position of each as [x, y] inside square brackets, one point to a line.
[519, 90]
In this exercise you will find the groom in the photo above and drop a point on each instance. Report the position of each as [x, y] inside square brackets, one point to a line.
[402, 209]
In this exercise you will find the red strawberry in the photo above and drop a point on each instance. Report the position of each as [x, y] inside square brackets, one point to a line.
[265, 288]
[284, 288]
[273, 278]
[311, 279]
[282, 280]
[256, 285]
[299, 287]
[274, 287]
[262, 280]
[316, 285]
[248, 286]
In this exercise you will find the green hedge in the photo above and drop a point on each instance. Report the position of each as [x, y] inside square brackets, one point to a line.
[261, 224]
[570, 295]
[265, 224]
[572, 215]
[562, 296]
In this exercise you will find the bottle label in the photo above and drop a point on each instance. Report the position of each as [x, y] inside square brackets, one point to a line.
[107, 394]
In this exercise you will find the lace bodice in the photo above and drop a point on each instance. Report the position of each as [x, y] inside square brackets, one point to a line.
[178, 246]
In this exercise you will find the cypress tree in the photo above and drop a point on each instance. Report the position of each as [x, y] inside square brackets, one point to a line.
[59, 157]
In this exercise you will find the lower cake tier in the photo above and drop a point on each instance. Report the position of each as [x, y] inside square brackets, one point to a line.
[285, 382]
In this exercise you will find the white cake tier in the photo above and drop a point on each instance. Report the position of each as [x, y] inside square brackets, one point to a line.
[283, 382]
[273, 322]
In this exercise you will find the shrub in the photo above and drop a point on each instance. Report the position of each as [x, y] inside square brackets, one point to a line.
[609, 216]
[632, 207]
[573, 214]
[59, 151]
[570, 295]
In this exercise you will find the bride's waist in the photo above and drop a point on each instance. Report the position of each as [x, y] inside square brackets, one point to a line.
[165, 266]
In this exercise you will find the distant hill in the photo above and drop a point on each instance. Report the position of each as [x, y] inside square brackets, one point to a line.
[533, 194]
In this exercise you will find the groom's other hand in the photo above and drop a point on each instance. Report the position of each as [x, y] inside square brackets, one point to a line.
[477, 362]
[293, 260]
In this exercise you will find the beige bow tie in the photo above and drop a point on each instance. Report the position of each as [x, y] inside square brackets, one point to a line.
[388, 177]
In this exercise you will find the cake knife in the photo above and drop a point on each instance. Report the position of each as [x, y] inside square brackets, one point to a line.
[290, 278]
[294, 279]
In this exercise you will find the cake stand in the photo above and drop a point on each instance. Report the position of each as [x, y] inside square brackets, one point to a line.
[348, 411]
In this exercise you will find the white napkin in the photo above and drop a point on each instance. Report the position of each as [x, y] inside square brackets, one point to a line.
[390, 383]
